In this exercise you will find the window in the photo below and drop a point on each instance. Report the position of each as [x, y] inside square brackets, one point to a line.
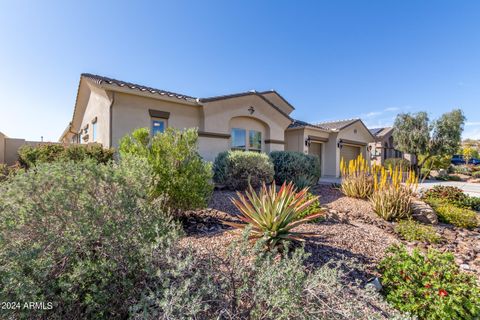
[158, 126]
[239, 139]
[255, 140]
[94, 131]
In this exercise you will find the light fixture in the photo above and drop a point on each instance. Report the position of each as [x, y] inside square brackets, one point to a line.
[307, 142]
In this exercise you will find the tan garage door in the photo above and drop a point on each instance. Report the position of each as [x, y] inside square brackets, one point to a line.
[348, 153]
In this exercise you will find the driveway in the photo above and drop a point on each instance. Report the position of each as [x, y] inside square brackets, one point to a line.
[472, 189]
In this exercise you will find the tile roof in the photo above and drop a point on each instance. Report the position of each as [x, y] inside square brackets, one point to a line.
[101, 80]
[300, 124]
[378, 132]
[337, 125]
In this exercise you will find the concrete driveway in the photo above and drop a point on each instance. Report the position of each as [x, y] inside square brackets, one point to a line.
[472, 189]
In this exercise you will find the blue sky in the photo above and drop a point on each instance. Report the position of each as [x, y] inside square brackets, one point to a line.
[330, 59]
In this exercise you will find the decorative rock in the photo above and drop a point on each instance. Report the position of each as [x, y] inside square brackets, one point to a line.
[423, 212]
[442, 173]
[374, 284]
[464, 266]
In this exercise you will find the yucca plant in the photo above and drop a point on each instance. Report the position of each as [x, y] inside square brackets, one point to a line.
[272, 215]
[357, 181]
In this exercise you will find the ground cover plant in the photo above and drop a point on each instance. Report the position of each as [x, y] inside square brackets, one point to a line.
[449, 213]
[411, 230]
[181, 176]
[302, 169]
[357, 178]
[30, 155]
[429, 286]
[272, 215]
[79, 235]
[238, 169]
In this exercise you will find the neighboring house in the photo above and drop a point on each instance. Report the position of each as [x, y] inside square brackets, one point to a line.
[331, 141]
[383, 147]
[107, 109]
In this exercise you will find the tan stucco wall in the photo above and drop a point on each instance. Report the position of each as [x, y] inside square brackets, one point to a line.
[11, 147]
[130, 112]
[98, 106]
[209, 147]
[2, 148]
[279, 102]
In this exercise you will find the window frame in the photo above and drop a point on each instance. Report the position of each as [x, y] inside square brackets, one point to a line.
[94, 131]
[153, 120]
[250, 147]
[232, 147]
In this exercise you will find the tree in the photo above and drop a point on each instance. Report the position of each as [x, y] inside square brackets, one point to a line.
[415, 134]
[469, 153]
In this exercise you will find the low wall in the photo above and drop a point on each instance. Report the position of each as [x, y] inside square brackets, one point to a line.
[9, 148]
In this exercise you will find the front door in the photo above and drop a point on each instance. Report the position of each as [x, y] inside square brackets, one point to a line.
[316, 149]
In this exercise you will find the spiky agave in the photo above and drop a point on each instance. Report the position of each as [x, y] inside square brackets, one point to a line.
[272, 215]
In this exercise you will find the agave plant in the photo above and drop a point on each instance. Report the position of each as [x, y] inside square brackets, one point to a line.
[271, 215]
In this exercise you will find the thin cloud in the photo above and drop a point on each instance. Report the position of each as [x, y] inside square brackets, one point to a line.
[472, 123]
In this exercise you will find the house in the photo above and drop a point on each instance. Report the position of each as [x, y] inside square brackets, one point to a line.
[331, 141]
[107, 109]
[383, 147]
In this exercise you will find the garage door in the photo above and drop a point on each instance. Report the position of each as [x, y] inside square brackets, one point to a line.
[348, 153]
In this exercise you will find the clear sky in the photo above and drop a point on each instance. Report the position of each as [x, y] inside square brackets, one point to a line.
[330, 59]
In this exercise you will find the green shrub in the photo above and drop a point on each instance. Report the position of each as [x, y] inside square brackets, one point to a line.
[314, 208]
[302, 169]
[446, 193]
[411, 230]
[471, 203]
[237, 169]
[476, 174]
[436, 162]
[248, 283]
[453, 178]
[429, 286]
[181, 175]
[449, 213]
[462, 169]
[79, 235]
[29, 155]
[401, 163]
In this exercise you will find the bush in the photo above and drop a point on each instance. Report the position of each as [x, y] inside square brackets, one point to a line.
[79, 235]
[429, 286]
[436, 162]
[181, 175]
[411, 230]
[248, 283]
[392, 203]
[302, 169]
[401, 163]
[476, 174]
[237, 169]
[446, 193]
[315, 207]
[272, 215]
[471, 203]
[30, 156]
[448, 213]
[453, 178]
[462, 169]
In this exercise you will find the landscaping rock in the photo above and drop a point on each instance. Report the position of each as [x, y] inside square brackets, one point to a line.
[423, 212]
[442, 173]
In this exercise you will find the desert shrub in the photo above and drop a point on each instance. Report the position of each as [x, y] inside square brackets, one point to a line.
[180, 174]
[392, 203]
[357, 178]
[79, 235]
[239, 169]
[248, 283]
[462, 169]
[429, 286]
[446, 193]
[449, 213]
[476, 174]
[451, 177]
[411, 230]
[302, 169]
[314, 208]
[471, 203]
[30, 155]
[271, 215]
[401, 163]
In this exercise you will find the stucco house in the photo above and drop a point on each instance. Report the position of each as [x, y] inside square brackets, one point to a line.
[107, 109]
[383, 147]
